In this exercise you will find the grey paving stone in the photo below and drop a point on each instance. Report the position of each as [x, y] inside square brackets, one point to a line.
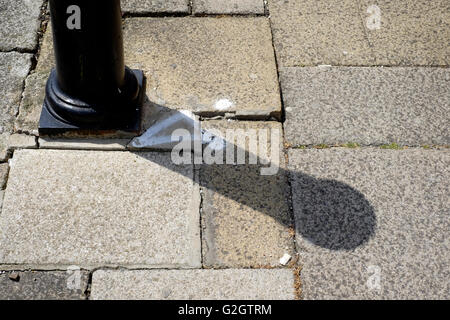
[312, 32]
[412, 32]
[20, 24]
[92, 209]
[206, 65]
[370, 106]
[158, 6]
[193, 284]
[370, 214]
[44, 286]
[14, 68]
[228, 7]
[245, 218]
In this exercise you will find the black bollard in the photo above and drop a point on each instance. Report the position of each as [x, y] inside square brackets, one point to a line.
[90, 89]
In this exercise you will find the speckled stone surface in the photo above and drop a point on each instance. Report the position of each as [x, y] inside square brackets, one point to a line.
[370, 106]
[206, 65]
[369, 214]
[193, 285]
[228, 6]
[158, 6]
[312, 32]
[92, 209]
[43, 286]
[412, 32]
[4, 170]
[31, 105]
[19, 24]
[14, 68]
[245, 216]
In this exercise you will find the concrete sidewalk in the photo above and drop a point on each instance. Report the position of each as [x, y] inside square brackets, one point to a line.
[351, 99]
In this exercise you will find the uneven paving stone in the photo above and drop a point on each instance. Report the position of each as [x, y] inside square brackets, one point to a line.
[31, 106]
[412, 32]
[21, 141]
[370, 106]
[228, 7]
[14, 68]
[155, 6]
[370, 214]
[312, 32]
[92, 209]
[20, 23]
[206, 65]
[193, 284]
[4, 170]
[44, 286]
[245, 216]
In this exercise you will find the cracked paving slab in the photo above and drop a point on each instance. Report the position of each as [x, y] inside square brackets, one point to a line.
[372, 223]
[14, 68]
[228, 284]
[92, 209]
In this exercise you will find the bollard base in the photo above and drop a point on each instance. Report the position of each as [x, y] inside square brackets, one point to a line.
[121, 118]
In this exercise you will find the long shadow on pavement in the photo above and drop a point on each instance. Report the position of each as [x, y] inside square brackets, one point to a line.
[329, 213]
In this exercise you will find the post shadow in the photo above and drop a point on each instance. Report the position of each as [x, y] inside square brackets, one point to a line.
[329, 213]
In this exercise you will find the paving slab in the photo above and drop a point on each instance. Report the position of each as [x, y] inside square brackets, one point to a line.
[20, 24]
[21, 141]
[411, 32]
[83, 144]
[210, 66]
[193, 285]
[372, 223]
[311, 32]
[92, 209]
[369, 106]
[245, 215]
[31, 106]
[14, 68]
[186, 68]
[155, 6]
[44, 286]
[228, 7]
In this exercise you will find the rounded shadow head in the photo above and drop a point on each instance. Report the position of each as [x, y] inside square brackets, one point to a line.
[332, 215]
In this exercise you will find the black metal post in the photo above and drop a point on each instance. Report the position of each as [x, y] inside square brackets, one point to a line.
[90, 89]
